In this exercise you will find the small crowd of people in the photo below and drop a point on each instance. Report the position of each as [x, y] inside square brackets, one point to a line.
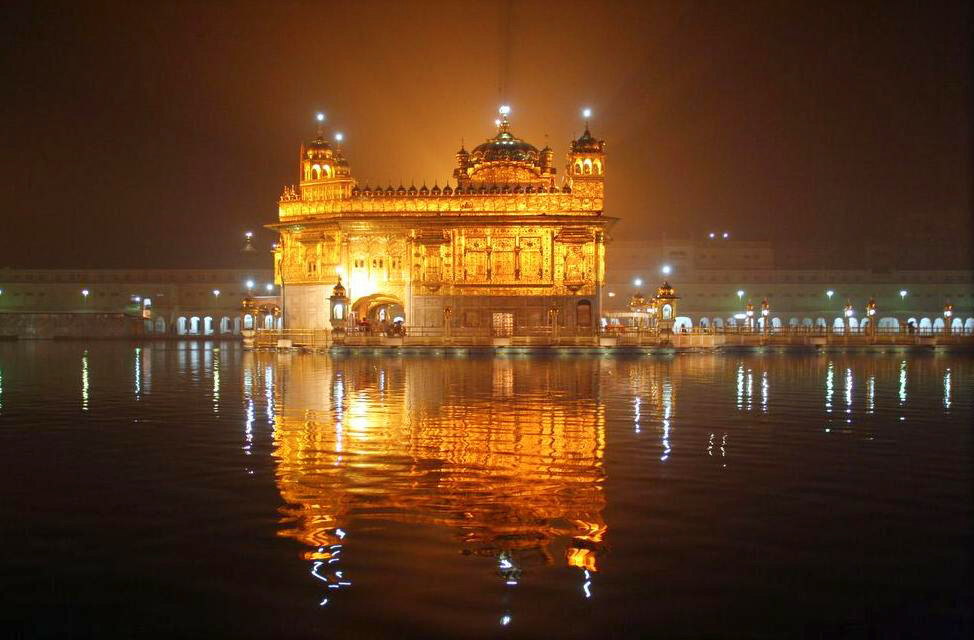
[373, 327]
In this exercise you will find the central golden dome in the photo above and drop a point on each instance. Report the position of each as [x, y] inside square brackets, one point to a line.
[505, 159]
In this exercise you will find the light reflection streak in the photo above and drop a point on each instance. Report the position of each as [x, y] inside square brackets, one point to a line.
[138, 373]
[249, 414]
[902, 382]
[848, 392]
[216, 381]
[740, 387]
[750, 389]
[829, 387]
[269, 393]
[637, 413]
[871, 394]
[947, 389]
[764, 391]
[667, 410]
[84, 381]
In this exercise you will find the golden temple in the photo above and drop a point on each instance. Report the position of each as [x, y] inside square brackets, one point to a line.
[506, 246]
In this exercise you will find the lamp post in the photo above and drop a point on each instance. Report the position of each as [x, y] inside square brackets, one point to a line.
[948, 314]
[871, 315]
[653, 310]
[84, 297]
[447, 316]
[848, 313]
[749, 316]
[765, 310]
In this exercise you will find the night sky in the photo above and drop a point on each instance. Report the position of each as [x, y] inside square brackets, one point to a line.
[155, 134]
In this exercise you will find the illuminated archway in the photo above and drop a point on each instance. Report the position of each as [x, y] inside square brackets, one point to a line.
[379, 307]
[888, 323]
[969, 326]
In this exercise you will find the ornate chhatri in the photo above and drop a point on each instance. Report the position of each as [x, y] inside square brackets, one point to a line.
[505, 243]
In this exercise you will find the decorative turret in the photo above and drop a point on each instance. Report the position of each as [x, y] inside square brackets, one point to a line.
[324, 171]
[463, 163]
[665, 300]
[586, 164]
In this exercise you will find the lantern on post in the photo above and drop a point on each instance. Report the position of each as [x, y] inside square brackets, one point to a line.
[849, 312]
[339, 308]
[948, 314]
[749, 316]
[765, 311]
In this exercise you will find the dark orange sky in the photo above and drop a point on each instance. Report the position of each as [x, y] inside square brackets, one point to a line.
[156, 135]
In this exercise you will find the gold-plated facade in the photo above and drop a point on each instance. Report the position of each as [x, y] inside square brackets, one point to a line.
[505, 239]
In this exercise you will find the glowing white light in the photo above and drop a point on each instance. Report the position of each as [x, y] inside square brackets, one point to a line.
[612, 294]
[638, 282]
[339, 137]
[216, 292]
[666, 269]
[726, 235]
[504, 110]
[320, 117]
[712, 235]
[269, 287]
[249, 234]
[740, 293]
[902, 293]
[84, 292]
[586, 113]
[506, 620]
[830, 293]
[497, 122]
[250, 284]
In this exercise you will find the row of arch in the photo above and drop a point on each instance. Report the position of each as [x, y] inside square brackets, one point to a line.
[208, 325]
[838, 325]
[588, 167]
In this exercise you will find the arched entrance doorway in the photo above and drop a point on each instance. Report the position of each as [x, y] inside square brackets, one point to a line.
[378, 310]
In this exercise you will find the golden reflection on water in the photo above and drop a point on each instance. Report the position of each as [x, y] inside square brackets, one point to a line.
[505, 454]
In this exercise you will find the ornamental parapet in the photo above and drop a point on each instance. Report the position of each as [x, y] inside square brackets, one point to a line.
[470, 204]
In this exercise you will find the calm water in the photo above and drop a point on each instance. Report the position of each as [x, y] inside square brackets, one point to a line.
[190, 489]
